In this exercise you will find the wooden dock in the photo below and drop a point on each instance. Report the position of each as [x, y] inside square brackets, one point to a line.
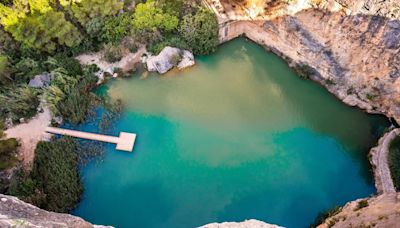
[124, 142]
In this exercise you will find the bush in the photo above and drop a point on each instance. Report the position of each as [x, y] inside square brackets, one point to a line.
[394, 161]
[26, 68]
[173, 41]
[21, 102]
[149, 17]
[200, 31]
[116, 28]
[361, 204]
[5, 70]
[8, 149]
[54, 183]
[304, 71]
[112, 53]
[75, 106]
[94, 28]
[325, 215]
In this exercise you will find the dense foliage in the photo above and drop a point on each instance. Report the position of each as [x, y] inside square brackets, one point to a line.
[394, 161]
[22, 102]
[54, 182]
[200, 31]
[8, 149]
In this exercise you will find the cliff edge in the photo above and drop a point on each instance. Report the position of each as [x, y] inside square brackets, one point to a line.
[16, 213]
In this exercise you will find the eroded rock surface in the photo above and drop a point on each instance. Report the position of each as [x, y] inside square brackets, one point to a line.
[169, 58]
[16, 213]
[379, 211]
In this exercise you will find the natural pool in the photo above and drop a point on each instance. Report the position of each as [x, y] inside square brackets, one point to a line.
[236, 137]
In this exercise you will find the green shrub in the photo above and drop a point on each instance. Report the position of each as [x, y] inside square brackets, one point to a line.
[394, 161]
[22, 102]
[75, 106]
[116, 28]
[26, 68]
[94, 28]
[54, 182]
[8, 149]
[112, 53]
[5, 70]
[130, 44]
[149, 17]
[200, 31]
[325, 215]
[69, 96]
[361, 204]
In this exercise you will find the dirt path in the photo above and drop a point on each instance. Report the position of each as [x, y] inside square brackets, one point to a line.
[29, 134]
[379, 159]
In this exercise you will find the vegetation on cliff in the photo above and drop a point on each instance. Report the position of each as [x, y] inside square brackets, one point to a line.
[8, 150]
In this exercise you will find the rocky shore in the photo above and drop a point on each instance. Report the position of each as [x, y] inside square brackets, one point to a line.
[379, 161]
[355, 56]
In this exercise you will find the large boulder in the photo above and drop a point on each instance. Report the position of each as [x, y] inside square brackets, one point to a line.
[40, 81]
[169, 58]
[16, 213]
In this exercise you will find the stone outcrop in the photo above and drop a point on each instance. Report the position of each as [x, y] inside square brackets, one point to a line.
[16, 213]
[245, 224]
[40, 81]
[379, 161]
[169, 58]
[379, 211]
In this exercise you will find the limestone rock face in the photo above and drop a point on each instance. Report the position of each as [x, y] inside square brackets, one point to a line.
[16, 213]
[381, 211]
[355, 55]
[248, 223]
[169, 58]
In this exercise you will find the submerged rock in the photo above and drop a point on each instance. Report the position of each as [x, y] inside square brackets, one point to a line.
[40, 81]
[16, 213]
[169, 58]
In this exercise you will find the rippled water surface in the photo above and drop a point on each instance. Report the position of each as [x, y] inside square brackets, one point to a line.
[236, 137]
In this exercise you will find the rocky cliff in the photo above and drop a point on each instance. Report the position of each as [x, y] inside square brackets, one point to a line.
[16, 213]
[355, 56]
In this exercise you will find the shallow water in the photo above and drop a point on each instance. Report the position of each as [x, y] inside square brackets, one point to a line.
[236, 137]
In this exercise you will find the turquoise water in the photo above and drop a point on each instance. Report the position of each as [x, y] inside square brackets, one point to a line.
[238, 136]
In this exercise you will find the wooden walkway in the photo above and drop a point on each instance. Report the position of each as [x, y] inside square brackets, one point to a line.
[124, 142]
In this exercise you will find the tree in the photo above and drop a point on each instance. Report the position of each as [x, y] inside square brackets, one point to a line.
[150, 18]
[5, 70]
[86, 10]
[38, 26]
[200, 31]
